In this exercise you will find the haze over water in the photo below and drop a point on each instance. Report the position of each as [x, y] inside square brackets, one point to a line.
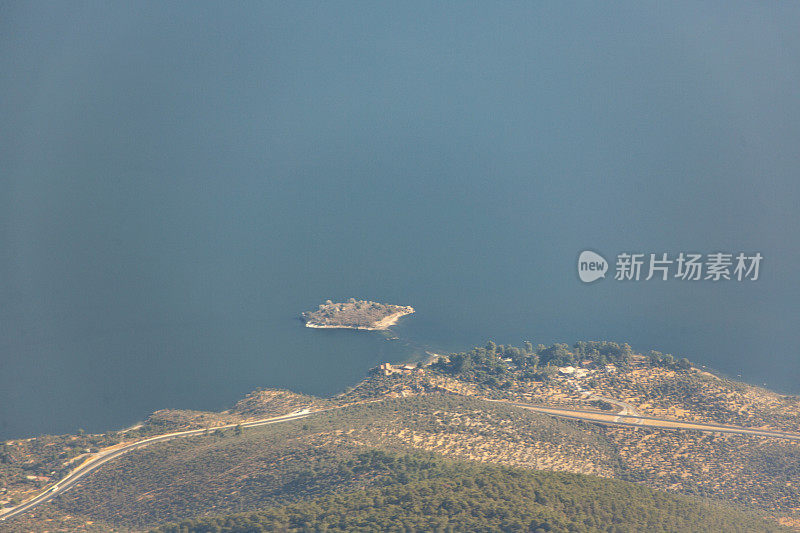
[178, 183]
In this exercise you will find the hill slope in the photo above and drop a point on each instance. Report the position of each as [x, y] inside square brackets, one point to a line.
[425, 493]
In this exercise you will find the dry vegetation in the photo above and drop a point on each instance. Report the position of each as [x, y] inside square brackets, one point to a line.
[266, 403]
[360, 314]
[220, 474]
[442, 411]
[703, 397]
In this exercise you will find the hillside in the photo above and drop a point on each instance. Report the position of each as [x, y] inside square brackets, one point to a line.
[426, 493]
[449, 409]
[273, 465]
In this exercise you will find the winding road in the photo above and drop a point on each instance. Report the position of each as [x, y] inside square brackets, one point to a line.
[637, 420]
[624, 407]
[627, 416]
[112, 452]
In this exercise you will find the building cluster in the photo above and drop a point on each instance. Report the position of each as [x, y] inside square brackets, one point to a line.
[387, 369]
[583, 372]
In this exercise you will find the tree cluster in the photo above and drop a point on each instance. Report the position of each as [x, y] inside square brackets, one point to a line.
[495, 364]
[425, 493]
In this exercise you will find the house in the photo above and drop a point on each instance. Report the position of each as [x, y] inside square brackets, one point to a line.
[387, 369]
[566, 370]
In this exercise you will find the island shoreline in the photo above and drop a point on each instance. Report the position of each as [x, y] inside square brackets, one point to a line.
[380, 325]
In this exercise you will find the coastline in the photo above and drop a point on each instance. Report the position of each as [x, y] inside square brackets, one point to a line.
[380, 325]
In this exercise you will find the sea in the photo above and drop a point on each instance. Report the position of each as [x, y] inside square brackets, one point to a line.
[179, 182]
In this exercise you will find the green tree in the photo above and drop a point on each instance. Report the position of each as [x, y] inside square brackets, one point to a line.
[462, 362]
[528, 347]
[655, 357]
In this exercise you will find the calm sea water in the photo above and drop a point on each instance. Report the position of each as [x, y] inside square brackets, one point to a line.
[179, 184]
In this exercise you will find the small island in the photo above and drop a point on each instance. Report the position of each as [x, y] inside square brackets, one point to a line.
[355, 314]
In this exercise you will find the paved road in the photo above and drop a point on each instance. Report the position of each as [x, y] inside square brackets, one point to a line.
[113, 452]
[623, 418]
[638, 420]
[624, 407]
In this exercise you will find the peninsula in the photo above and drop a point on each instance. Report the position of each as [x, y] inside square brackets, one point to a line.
[553, 436]
[355, 314]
